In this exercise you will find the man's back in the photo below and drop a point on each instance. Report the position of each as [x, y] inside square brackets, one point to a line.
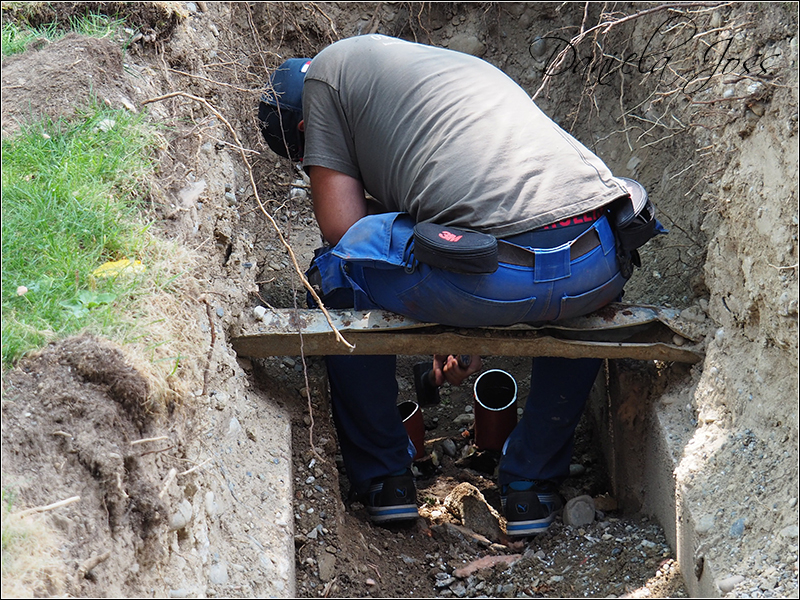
[445, 137]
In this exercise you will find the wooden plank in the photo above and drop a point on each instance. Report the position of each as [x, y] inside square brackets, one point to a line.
[450, 342]
[617, 331]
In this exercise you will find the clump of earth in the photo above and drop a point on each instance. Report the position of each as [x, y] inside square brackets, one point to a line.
[231, 486]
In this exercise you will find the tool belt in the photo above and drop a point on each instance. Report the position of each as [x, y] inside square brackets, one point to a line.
[455, 249]
[464, 251]
[633, 218]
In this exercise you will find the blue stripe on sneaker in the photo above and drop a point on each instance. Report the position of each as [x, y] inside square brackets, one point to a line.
[519, 528]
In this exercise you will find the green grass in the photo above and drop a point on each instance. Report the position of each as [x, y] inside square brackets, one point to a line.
[7, 498]
[16, 37]
[69, 197]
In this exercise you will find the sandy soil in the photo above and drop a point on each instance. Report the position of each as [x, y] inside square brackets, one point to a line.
[203, 511]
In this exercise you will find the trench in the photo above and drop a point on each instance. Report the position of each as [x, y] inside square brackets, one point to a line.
[611, 464]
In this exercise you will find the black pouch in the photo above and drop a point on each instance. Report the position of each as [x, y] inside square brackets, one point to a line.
[455, 249]
[635, 223]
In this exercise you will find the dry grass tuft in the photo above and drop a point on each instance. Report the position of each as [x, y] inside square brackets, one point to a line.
[31, 564]
[166, 345]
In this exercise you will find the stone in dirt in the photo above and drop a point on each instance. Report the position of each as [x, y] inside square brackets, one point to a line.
[467, 502]
[579, 511]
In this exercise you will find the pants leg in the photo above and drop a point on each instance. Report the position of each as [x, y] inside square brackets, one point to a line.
[540, 447]
[371, 434]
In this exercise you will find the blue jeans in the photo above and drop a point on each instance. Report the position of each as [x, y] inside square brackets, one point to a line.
[374, 264]
[373, 267]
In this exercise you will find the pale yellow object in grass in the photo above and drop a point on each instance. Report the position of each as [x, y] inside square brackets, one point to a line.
[114, 268]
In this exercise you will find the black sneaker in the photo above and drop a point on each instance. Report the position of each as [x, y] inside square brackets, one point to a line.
[392, 498]
[530, 506]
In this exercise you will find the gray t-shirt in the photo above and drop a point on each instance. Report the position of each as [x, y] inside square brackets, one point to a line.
[446, 137]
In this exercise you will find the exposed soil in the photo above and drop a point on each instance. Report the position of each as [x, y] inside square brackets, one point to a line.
[201, 510]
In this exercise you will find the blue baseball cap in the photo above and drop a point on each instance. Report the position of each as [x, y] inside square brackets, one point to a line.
[281, 109]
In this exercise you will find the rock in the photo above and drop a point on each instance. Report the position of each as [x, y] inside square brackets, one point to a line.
[737, 529]
[695, 314]
[726, 585]
[469, 44]
[449, 447]
[211, 505]
[705, 524]
[464, 420]
[327, 565]
[579, 511]
[106, 125]
[234, 427]
[218, 574]
[259, 312]
[576, 470]
[443, 583]
[467, 502]
[790, 532]
[538, 48]
[181, 518]
[221, 400]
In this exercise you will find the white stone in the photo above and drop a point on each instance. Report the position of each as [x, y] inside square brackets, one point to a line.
[726, 585]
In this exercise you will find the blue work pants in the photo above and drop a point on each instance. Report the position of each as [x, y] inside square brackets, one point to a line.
[373, 267]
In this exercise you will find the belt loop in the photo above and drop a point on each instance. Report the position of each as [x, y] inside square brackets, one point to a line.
[607, 239]
[552, 264]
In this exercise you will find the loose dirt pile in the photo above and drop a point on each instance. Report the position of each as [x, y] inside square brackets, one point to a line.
[233, 489]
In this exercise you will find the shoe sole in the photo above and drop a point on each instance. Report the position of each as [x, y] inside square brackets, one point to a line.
[522, 528]
[389, 514]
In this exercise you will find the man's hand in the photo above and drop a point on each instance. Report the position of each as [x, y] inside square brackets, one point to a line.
[450, 369]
